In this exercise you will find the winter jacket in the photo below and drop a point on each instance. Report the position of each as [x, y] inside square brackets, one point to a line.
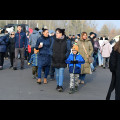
[44, 58]
[3, 43]
[106, 49]
[21, 40]
[92, 41]
[85, 68]
[11, 45]
[34, 59]
[60, 52]
[33, 38]
[96, 46]
[114, 65]
[75, 68]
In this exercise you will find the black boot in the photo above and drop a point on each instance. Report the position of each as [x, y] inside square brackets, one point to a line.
[14, 68]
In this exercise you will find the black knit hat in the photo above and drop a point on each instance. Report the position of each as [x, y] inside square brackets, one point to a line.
[78, 35]
[106, 38]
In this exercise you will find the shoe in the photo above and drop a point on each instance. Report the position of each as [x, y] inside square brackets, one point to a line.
[76, 88]
[10, 67]
[34, 77]
[57, 87]
[14, 68]
[1, 67]
[104, 68]
[45, 80]
[39, 81]
[71, 91]
[60, 89]
[82, 82]
[22, 68]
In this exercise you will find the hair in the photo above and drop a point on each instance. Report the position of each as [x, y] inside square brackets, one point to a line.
[37, 29]
[18, 25]
[60, 31]
[83, 33]
[43, 29]
[117, 46]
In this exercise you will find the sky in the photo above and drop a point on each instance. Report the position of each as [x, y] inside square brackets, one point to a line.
[100, 23]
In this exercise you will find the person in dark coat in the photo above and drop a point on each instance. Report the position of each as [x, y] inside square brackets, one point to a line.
[114, 65]
[43, 45]
[11, 47]
[3, 48]
[60, 53]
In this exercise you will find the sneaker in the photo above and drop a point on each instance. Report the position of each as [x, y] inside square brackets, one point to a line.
[22, 68]
[57, 87]
[14, 68]
[76, 88]
[34, 77]
[1, 67]
[71, 91]
[10, 67]
[60, 89]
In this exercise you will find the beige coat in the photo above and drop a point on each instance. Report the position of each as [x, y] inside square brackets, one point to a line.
[85, 68]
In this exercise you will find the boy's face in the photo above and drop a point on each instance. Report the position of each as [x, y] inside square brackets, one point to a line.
[35, 52]
[74, 51]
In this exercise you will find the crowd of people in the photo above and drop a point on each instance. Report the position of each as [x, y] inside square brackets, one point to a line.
[52, 53]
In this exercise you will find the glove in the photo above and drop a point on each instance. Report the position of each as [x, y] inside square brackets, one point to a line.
[28, 63]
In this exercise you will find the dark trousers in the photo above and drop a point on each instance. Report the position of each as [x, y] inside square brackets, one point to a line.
[52, 71]
[21, 51]
[2, 55]
[35, 70]
[12, 58]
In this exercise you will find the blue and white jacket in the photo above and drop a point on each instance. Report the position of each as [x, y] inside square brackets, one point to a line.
[75, 68]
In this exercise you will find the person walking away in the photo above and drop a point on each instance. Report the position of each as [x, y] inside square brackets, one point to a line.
[34, 61]
[60, 52]
[20, 46]
[85, 50]
[74, 60]
[114, 65]
[32, 40]
[106, 50]
[3, 47]
[43, 45]
[11, 46]
[100, 58]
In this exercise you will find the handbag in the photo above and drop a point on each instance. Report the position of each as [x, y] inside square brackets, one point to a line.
[90, 59]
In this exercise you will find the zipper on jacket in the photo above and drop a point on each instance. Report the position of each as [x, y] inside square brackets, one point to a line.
[74, 65]
[19, 40]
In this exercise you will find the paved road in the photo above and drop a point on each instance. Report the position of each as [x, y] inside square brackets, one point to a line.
[19, 85]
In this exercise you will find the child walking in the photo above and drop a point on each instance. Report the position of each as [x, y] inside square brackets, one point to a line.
[34, 61]
[74, 60]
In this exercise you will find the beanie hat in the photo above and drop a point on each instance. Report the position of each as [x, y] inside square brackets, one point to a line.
[106, 38]
[75, 47]
[91, 33]
[36, 50]
[78, 35]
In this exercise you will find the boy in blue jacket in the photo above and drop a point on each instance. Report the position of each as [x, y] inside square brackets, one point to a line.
[74, 60]
[34, 61]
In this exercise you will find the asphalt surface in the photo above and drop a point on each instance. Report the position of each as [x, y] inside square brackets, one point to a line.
[19, 85]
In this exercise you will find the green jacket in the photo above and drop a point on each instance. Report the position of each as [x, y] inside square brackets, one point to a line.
[85, 68]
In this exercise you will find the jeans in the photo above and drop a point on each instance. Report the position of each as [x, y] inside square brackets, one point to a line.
[100, 58]
[92, 67]
[2, 54]
[95, 60]
[106, 61]
[59, 76]
[52, 70]
[82, 76]
[47, 68]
